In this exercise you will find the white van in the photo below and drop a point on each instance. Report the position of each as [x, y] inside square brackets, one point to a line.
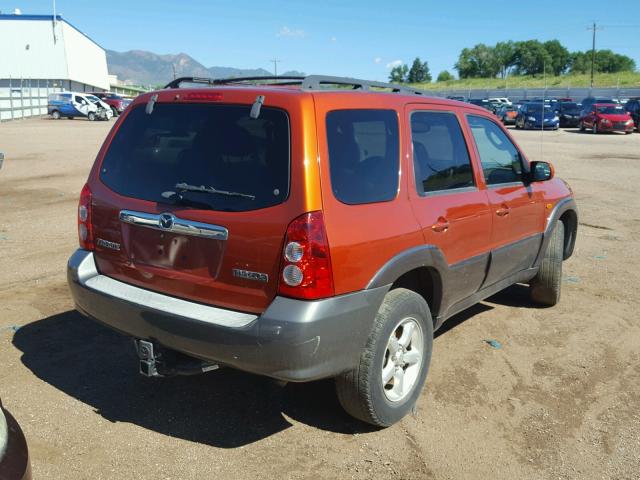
[75, 104]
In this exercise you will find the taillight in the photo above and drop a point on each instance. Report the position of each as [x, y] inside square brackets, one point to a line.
[85, 229]
[306, 264]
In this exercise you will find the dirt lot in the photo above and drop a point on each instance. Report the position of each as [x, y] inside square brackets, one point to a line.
[560, 399]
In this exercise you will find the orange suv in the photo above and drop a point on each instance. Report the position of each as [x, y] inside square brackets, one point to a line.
[310, 227]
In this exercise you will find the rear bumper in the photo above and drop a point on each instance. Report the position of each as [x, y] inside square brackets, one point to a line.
[291, 340]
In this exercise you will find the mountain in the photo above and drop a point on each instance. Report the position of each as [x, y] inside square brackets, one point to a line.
[147, 68]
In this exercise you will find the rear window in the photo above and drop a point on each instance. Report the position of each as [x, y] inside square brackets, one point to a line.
[238, 163]
[363, 155]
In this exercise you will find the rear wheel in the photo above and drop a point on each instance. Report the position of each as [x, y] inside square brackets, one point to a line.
[55, 115]
[388, 380]
[546, 285]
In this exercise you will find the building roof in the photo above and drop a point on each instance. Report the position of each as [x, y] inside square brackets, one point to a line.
[49, 18]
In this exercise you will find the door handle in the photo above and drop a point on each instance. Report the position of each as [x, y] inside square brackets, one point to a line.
[503, 210]
[442, 225]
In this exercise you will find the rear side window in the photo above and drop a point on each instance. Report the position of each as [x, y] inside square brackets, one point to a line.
[242, 163]
[440, 156]
[363, 155]
[501, 160]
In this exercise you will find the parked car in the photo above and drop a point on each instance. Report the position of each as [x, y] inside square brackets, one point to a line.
[588, 102]
[206, 232]
[484, 103]
[538, 116]
[500, 100]
[116, 102]
[507, 114]
[633, 108]
[568, 113]
[14, 454]
[73, 104]
[607, 117]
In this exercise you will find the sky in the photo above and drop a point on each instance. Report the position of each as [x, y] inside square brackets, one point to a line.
[353, 38]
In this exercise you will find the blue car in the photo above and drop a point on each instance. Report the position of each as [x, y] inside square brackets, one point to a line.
[537, 116]
[72, 104]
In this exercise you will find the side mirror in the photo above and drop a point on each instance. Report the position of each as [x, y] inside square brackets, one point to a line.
[541, 171]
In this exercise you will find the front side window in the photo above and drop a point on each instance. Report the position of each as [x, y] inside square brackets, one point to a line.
[501, 160]
[440, 156]
[363, 155]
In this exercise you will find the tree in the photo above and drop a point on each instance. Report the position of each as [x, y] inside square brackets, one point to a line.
[419, 72]
[444, 76]
[478, 61]
[398, 74]
[531, 58]
[606, 61]
[559, 56]
[504, 56]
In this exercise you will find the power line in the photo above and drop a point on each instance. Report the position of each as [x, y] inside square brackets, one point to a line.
[275, 65]
[593, 48]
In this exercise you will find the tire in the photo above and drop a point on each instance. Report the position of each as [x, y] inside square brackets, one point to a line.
[361, 391]
[546, 285]
[115, 112]
[56, 115]
[581, 124]
[70, 118]
[91, 116]
[594, 129]
[516, 125]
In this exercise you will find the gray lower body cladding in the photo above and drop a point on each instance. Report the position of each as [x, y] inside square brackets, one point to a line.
[292, 340]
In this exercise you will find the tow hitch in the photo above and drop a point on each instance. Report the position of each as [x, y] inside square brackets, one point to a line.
[156, 361]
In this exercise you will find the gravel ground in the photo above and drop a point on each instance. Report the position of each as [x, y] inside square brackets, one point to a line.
[559, 400]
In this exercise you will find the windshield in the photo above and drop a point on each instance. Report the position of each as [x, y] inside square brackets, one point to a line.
[93, 98]
[201, 155]
[537, 108]
[611, 110]
[570, 107]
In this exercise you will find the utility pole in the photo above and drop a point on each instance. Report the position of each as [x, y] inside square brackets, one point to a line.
[275, 65]
[173, 67]
[593, 49]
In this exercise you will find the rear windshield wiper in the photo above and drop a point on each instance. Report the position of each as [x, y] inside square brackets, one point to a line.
[185, 187]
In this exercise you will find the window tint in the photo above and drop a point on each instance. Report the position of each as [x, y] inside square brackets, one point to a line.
[78, 99]
[501, 162]
[363, 155]
[440, 156]
[212, 145]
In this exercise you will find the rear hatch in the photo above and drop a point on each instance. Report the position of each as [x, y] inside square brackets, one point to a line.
[194, 201]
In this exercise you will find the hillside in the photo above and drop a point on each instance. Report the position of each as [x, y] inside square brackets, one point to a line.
[147, 68]
[623, 79]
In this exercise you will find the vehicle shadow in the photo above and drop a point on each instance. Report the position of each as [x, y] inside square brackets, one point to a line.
[224, 408]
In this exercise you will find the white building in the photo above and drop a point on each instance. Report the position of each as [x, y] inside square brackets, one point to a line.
[40, 54]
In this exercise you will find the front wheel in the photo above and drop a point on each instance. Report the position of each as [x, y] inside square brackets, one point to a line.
[91, 116]
[389, 377]
[114, 112]
[546, 285]
[595, 128]
[582, 127]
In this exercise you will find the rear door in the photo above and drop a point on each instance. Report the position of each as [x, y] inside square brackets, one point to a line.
[194, 198]
[447, 200]
[517, 207]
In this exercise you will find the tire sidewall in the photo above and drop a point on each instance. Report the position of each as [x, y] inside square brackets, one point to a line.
[389, 412]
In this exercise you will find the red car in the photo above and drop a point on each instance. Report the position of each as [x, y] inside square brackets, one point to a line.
[116, 102]
[607, 117]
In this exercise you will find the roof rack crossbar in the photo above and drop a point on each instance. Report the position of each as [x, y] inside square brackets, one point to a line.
[310, 82]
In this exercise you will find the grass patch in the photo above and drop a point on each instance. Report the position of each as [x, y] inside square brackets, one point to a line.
[623, 79]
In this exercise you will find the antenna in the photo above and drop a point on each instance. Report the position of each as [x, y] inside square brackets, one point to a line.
[275, 66]
[593, 49]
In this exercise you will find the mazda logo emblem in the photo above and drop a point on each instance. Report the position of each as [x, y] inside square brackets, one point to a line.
[166, 221]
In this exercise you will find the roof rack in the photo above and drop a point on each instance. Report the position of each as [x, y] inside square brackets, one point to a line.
[310, 82]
